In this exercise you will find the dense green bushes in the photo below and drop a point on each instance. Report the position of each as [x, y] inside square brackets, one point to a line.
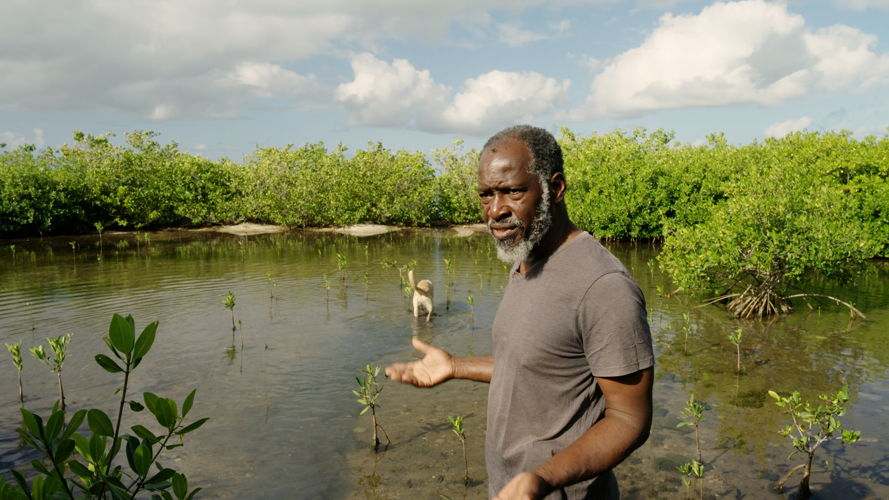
[622, 185]
[146, 184]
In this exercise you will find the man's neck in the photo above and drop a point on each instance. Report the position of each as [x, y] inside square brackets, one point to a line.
[562, 231]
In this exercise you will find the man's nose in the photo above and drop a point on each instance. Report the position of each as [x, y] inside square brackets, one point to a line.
[498, 208]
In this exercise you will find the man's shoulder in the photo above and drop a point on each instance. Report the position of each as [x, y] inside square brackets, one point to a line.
[588, 259]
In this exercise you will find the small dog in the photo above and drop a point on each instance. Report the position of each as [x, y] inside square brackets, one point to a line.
[422, 295]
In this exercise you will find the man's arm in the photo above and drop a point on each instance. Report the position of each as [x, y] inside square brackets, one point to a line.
[438, 366]
[625, 426]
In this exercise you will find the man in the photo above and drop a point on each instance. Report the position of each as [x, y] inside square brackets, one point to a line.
[572, 366]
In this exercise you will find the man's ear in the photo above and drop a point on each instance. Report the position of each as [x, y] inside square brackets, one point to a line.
[559, 187]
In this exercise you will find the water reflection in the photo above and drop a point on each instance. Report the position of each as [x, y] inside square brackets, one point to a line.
[313, 308]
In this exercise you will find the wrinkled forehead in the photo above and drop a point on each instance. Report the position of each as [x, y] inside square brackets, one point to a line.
[509, 153]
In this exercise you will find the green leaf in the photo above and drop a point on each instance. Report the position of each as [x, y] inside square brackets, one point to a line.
[64, 450]
[99, 422]
[80, 470]
[163, 475]
[189, 400]
[82, 444]
[97, 448]
[142, 459]
[193, 426]
[108, 364]
[145, 434]
[122, 333]
[54, 425]
[135, 406]
[20, 479]
[193, 493]
[39, 467]
[180, 485]
[146, 339]
[150, 402]
[132, 444]
[74, 423]
[34, 423]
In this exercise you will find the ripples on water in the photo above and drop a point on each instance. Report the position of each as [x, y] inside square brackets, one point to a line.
[284, 422]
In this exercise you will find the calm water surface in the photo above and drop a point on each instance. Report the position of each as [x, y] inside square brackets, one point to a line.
[285, 423]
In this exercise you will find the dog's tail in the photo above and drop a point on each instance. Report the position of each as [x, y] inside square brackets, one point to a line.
[410, 278]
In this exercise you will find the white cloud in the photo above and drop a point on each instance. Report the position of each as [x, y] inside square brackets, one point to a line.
[15, 139]
[742, 52]
[862, 4]
[515, 36]
[398, 94]
[165, 59]
[501, 98]
[390, 94]
[783, 128]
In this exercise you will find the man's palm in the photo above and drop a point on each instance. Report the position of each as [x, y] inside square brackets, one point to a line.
[436, 367]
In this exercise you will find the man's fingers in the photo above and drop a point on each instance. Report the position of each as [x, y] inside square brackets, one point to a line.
[420, 345]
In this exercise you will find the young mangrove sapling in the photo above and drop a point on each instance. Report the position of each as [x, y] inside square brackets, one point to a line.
[58, 346]
[457, 428]
[368, 394]
[811, 426]
[15, 350]
[693, 471]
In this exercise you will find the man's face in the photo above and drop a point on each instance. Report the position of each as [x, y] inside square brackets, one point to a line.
[514, 204]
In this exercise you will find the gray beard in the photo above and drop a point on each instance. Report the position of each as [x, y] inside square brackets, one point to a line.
[516, 253]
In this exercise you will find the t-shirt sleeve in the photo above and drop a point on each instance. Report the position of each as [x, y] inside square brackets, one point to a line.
[613, 324]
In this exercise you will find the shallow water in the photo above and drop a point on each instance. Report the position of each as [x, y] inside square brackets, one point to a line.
[285, 423]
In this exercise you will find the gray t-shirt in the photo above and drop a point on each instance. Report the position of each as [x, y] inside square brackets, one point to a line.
[577, 316]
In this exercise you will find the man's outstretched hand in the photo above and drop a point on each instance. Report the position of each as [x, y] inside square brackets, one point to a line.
[435, 367]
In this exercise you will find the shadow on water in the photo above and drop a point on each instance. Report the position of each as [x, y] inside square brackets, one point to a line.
[314, 308]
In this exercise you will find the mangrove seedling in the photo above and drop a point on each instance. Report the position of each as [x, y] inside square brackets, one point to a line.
[811, 426]
[99, 228]
[97, 470]
[73, 245]
[449, 271]
[58, 346]
[15, 350]
[341, 263]
[735, 338]
[686, 329]
[326, 281]
[457, 428]
[272, 284]
[693, 471]
[368, 394]
[229, 303]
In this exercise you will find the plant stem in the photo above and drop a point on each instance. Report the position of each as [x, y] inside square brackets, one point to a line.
[61, 389]
[738, 346]
[376, 440]
[465, 463]
[21, 390]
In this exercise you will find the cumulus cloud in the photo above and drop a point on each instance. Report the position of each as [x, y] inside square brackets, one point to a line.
[783, 128]
[399, 94]
[501, 98]
[750, 51]
[165, 59]
[387, 94]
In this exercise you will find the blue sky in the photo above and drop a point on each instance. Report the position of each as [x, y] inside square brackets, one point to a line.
[221, 78]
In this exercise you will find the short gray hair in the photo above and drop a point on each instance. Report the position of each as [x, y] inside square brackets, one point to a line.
[546, 154]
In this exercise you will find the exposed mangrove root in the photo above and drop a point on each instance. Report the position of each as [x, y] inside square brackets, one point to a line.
[852, 310]
[780, 485]
[758, 302]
